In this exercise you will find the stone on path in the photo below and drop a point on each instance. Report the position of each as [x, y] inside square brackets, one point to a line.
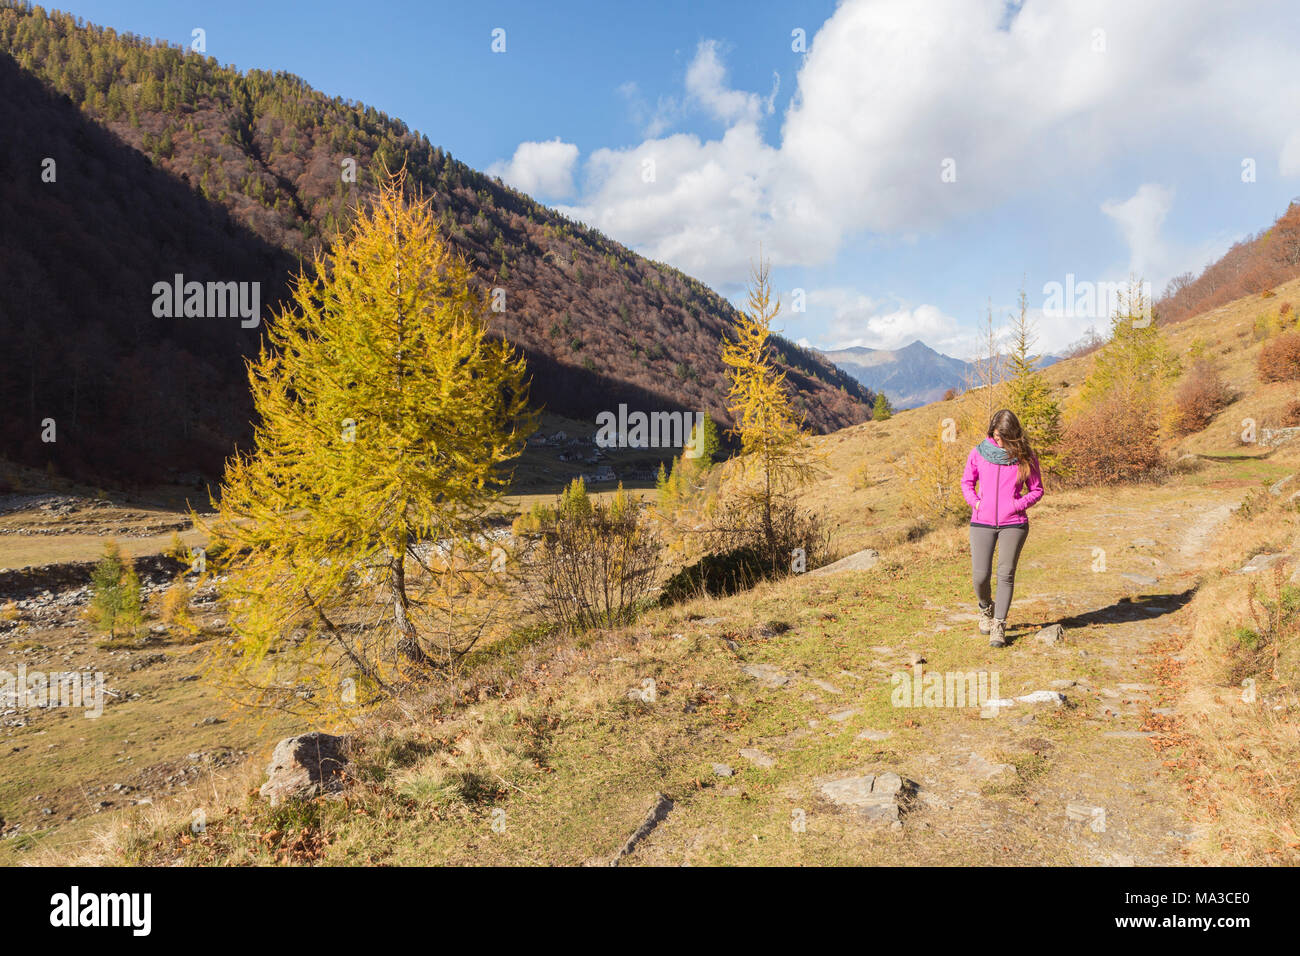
[1042, 697]
[982, 768]
[662, 806]
[873, 735]
[722, 770]
[841, 715]
[875, 797]
[863, 560]
[766, 674]
[826, 686]
[758, 758]
[1259, 562]
[1052, 634]
[1095, 817]
[1144, 580]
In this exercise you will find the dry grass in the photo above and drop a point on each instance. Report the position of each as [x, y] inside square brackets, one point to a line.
[1240, 742]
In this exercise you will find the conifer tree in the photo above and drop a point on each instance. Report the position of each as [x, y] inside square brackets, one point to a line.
[115, 604]
[881, 411]
[353, 534]
[771, 437]
[1136, 366]
[1028, 394]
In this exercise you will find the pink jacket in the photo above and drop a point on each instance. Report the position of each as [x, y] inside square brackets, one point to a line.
[991, 491]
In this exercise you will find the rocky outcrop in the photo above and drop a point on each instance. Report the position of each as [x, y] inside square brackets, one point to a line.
[306, 766]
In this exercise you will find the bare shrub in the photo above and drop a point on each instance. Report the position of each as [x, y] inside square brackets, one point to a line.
[594, 563]
[1279, 359]
[1114, 441]
[1291, 414]
[1198, 399]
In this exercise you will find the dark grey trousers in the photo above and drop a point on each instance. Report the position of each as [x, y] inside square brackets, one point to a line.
[1009, 541]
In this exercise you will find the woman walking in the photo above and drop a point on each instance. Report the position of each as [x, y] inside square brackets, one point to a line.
[998, 470]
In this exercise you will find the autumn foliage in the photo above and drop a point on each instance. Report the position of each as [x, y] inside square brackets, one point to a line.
[1201, 395]
[1114, 441]
[1279, 358]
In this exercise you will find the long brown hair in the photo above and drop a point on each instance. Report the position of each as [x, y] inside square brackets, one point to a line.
[1014, 441]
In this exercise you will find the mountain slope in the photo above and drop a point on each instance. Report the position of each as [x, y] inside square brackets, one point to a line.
[910, 376]
[267, 155]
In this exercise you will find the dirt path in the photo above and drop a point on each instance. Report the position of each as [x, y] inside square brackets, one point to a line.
[1083, 783]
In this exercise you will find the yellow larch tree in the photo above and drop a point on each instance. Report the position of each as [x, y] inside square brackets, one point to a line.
[354, 537]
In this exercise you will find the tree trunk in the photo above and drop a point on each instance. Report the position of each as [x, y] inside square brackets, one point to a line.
[407, 642]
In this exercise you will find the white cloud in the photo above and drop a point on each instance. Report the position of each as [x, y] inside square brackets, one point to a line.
[540, 169]
[1140, 218]
[892, 88]
[706, 84]
[857, 320]
[653, 121]
[1154, 256]
[1288, 162]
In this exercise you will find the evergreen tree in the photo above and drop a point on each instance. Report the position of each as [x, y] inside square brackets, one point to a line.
[386, 417]
[1136, 366]
[661, 484]
[771, 437]
[882, 410]
[1028, 394]
[115, 606]
[709, 443]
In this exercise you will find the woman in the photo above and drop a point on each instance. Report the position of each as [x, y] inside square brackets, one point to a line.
[998, 469]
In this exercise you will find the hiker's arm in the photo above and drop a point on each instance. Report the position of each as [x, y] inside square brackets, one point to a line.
[1034, 486]
[968, 481]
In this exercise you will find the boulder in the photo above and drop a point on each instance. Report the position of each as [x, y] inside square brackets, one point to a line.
[1260, 562]
[1052, 634]
[863, 560]
[305, 766]
[878, 798]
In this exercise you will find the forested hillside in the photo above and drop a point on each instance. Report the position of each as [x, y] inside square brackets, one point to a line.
[167, 162]
[1253, 265]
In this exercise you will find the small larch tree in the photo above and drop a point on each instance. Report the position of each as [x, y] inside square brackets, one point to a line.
[353, 536]
[115, 604]
[1136, 365]
[776, 457]
[1028, 394]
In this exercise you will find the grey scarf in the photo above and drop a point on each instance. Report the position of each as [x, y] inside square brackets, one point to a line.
[991, 452]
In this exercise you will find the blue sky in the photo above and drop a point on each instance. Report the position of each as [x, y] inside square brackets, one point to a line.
[1096, 139]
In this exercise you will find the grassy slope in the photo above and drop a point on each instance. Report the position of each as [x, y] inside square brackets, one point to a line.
[554, 740]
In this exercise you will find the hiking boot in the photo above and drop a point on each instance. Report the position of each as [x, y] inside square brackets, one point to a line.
[986, 619]
[998, 634]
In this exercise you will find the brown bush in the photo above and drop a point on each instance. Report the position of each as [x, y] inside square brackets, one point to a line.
[1114, 441]
[1291, 414]
[1198, 399]
[1279, 359]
